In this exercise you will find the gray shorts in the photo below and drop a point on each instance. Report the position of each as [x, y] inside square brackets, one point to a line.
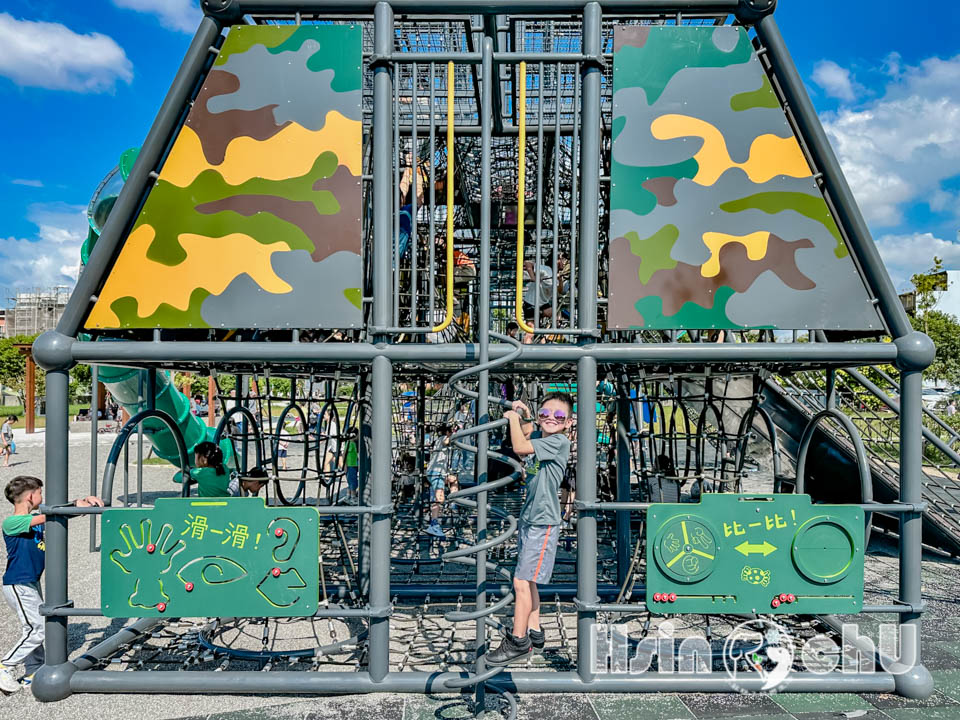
[536, 551]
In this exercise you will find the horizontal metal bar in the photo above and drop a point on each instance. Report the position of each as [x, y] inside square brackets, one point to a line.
[469, 58]
[69, 611]
[484, 7]
[337, 611]
[70, 510]
[354, 509]
[895, 507]
[182, 682]
[583, 505]
[901, 608]
[277, 353]
[609, 607]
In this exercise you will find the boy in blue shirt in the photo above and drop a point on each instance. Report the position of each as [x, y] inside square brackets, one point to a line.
[23, 535]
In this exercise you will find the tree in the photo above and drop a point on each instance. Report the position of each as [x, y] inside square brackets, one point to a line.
[944, 329]
[928, 286]
[13, 367]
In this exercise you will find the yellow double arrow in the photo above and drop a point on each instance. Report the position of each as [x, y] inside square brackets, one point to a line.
[749, 548]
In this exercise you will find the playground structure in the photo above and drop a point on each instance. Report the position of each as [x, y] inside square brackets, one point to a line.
[358, 202]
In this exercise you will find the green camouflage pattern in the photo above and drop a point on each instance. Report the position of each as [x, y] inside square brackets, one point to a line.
[255, 218]
[716, 220]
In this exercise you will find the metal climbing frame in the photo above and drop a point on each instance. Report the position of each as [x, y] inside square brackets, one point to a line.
[483, 105]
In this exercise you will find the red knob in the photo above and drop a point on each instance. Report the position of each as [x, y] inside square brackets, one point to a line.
[278, 532]
[151, 547]
[656, 597]
[783, 597]
[188, 587]
[672, 597]
[161, 607]
[791, 598]
[775, 603]
[275, 572]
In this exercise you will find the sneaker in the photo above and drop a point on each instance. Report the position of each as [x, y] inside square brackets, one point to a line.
[8, 683]
[537, 637]
[26, 681]
[434, 529]
[512, 648]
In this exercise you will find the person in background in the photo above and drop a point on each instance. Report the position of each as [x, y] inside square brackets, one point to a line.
[6, 438]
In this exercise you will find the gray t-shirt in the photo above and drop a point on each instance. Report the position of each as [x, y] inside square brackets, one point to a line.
[542, 506]
[440, 457]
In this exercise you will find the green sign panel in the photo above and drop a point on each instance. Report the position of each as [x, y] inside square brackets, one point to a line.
[198, 557]
[733, 553]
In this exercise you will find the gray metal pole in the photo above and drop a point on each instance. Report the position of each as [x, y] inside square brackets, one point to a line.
[589, 171]
[849, 216]
[380, 483]
[382, 187]
[487, 7]
[918, 682]
[311, 683]
[483, 329]
[138, 182]
[94, 432]
[56, 458]
[127, 353]
[587, 521]
[623, 480]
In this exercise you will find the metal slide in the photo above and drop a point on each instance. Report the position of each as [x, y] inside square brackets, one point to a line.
[872, 404]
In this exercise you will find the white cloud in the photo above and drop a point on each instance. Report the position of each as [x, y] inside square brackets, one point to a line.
[28, 183]
[898, 149]
[52, 56]
[906, 255]
[183, 15]
[835, 80]
[52, 257]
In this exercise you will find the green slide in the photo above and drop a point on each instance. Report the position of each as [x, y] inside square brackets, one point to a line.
[127, 385]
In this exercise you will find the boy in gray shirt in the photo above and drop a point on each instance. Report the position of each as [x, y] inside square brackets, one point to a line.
[540, 519]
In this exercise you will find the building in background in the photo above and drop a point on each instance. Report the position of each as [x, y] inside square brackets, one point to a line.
[35, 310]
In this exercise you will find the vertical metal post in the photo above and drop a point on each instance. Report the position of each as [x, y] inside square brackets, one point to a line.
[589, 171]
[911, 491]
[244, 423]
[363, 474]
[380, 476]
[151, 398]
[483, 335]
[382, 190]
[623, 480]
[831, 399]
[94, 431]
[587, 521]
[56, 455]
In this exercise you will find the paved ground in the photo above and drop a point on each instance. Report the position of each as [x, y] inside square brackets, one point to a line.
[941, 651]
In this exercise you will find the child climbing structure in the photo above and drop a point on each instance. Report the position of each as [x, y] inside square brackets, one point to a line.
[368, 226]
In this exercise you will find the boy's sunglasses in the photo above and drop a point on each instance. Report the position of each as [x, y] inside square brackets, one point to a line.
[560, 415]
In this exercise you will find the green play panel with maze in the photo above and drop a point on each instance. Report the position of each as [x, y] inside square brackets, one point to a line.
[199, 557]
[741, 553]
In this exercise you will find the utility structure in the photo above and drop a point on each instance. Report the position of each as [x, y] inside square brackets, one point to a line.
[374, 191]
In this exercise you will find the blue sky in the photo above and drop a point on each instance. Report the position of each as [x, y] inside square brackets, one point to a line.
[886, 84]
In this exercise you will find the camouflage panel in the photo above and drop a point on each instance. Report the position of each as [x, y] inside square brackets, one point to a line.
[255, 218]
[716, 220]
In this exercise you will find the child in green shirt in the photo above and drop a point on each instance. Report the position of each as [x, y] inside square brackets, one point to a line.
[23, 537]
